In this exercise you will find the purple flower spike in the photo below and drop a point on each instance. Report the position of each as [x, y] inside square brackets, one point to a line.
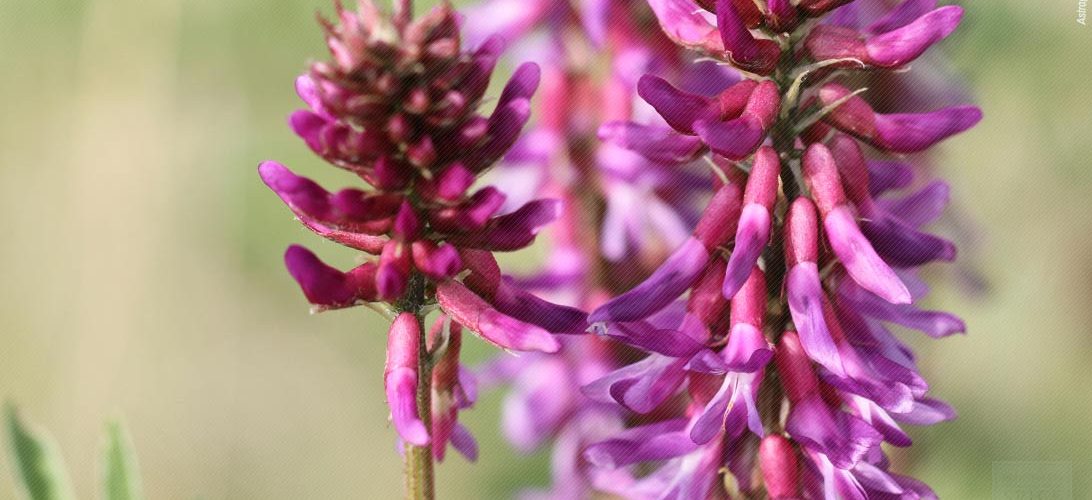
[504, 331]
[400, 378]
[753, 232]
[326, 287]
[745, 52]
[897, 133]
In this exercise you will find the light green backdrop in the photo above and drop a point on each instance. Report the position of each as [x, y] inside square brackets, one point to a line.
[140, 269]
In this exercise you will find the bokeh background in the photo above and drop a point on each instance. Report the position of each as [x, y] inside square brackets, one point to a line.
[141, 275]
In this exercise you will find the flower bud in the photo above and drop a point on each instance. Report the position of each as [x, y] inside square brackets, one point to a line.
[777, 460]
[400, 378]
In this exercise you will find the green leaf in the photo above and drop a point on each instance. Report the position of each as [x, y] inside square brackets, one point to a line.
[121, 480]
[40, 469]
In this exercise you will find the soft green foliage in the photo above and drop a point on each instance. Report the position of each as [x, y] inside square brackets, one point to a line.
[121, 476]
[38, 463]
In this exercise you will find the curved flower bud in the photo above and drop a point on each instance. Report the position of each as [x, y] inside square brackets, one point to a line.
[350, 209]
[679, 109]
[743, 49]
[889, 49]
[452, 391]
[400, 378]
[511, 231]
[851, 247]
[476, 314]
[326, 287]
[897, 133]
[753, 232]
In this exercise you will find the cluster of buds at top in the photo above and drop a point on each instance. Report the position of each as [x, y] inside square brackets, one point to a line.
[782, 298]
[398, 105]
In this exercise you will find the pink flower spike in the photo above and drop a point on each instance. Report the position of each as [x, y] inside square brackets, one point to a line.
[400, 378]
[504, 331]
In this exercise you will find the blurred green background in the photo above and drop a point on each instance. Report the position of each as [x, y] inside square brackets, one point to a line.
[141, 275]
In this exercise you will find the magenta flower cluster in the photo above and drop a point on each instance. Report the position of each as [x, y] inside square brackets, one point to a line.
[397, 106]
[730, 202]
